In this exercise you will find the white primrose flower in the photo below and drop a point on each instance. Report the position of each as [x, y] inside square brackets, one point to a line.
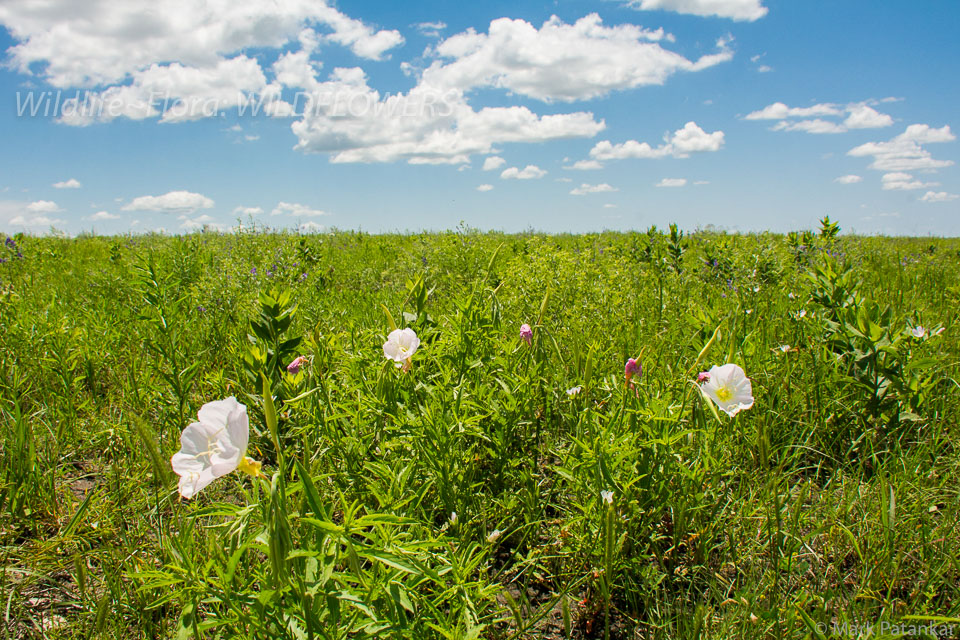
[214, 446]
[494, 536]
[918, 331]
[401, 344]
[729, 388]
[607, 496]
[574, 391]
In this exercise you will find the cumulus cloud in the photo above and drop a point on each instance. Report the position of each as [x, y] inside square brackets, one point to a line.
[905, 152]
[529, 172]
[860, 115]
[690, 139]
[779, 111]
[310, 227]
[485, 187]
[493, 162]
[103, 215]
[735, 9]
[848, 179]
[172, 202]
[904, 182]
[938, 196]
[585, 188]
[865, 117]
[585, 165]
[431, 29]
[810, 126]
[43, 206]
[296, 210]
[423, 126]
[98, 42]
[672, 182]
[247, 211]
[199, 223]
[72, 183]
[559, 61]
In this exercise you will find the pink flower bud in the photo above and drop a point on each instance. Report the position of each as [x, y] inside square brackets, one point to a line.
[632, 368]
[702, 377]
[526, 333]
[294, 367]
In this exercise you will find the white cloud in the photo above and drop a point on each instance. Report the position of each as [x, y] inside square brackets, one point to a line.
[859, 116]
[779, 111]
[559, 61]
[199, 223]
[938, 196]
[905, 151]
[810, 126]
[423, 126]
[672, 182]
[34, 221]
[86, 44]
[681, 144]
[585, 188]
[431, 29]
[585, 165]
[72, 183]
[493, 162]
[848, 179]
[296, 210]
[247, 211]
[529, 172]
[172, 202]
[699, 182]
[485, 187]
[43, 206]
[735, 9]
[764, 68]
[103, 215]
[609, 206]
[310, 227]
[864, 117]
[904, 182]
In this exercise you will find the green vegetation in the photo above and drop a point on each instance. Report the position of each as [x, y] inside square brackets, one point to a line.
[832, 501]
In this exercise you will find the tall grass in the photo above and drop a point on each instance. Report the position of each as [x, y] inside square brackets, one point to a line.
[831, 504]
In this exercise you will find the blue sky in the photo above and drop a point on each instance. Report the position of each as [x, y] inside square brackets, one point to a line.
[564, 116]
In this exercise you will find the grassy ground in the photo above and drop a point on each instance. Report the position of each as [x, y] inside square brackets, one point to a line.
[830, 505]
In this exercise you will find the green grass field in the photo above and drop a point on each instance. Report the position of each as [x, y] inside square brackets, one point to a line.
[828, 506]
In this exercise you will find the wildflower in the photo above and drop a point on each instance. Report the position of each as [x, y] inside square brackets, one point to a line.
[574, 391]
[607, 496]
[253, 271]
[729, 388]
[453, 518]
[785, 348]
[214, 446]
[401, 344]
[703, 376]
[802, 314]
[294, 367]
[918, 331]
[526, 333]
[631, 369]
[494, 536]
[10, 243]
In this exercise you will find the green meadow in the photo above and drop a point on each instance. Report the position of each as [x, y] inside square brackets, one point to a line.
[586, 505]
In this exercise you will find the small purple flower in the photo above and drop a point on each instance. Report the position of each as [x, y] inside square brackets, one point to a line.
[294, 367]
[526, 333]
[2, 260]
[703, 376]
[10, 243]
[201, 308]
[632, 368]
[253, 271]
[303, 276]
